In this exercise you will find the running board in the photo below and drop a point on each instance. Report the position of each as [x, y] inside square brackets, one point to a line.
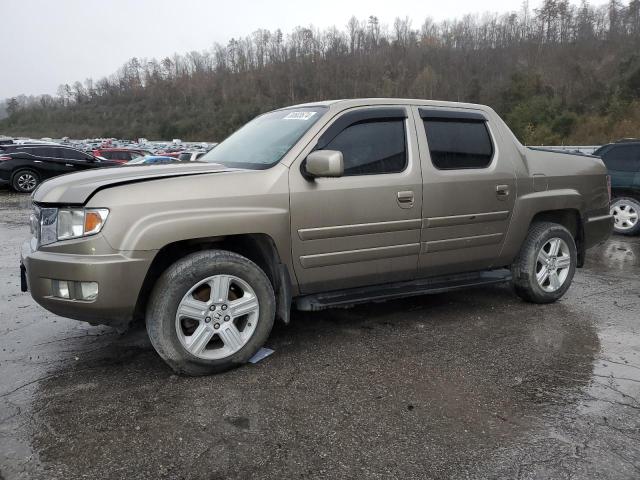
[381, 293]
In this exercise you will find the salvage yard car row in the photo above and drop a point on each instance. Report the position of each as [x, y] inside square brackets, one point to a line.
[23, 166]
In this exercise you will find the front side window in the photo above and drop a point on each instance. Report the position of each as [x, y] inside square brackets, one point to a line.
[264, 141]
[458, 144]
[372, 147]
[623, 158]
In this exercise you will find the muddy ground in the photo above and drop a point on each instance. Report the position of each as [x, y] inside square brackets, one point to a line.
[473, 384]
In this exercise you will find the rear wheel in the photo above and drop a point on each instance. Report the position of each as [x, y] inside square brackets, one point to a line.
[626, 216]
[25, 181]
[209, 312]
[544, 268]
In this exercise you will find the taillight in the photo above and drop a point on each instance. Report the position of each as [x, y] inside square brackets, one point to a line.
[609, 187]
[4, 157]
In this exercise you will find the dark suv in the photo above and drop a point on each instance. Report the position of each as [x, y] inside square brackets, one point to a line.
[622, 159]
[23, 167]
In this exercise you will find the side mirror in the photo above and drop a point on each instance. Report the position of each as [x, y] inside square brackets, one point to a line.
[324, 163]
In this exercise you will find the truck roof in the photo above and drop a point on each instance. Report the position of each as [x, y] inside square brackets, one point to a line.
[354, 102]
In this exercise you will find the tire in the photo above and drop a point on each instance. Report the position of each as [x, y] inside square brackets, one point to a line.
[25, 180]
[189, 328]
[530, 264]
[626, 215]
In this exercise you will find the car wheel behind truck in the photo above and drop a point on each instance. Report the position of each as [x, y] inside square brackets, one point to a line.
[544, 268]
[626, 216]
[209, 312]
[25, 181]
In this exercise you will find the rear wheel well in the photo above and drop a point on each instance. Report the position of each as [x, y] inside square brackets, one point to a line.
[259, 248]
[571, 220]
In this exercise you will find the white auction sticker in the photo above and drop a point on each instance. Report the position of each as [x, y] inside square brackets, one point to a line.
[299, 116]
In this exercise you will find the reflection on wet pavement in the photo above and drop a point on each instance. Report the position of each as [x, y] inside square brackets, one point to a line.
[473, 384]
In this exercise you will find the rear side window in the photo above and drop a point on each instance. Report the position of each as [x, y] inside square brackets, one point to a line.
[458, 144]
[623, 158]
[372, 147]
[184, 157]
[70, 154]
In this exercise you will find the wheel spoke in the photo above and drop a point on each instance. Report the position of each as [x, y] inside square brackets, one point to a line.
[244, 305]
[555, 246]
[219, 288]
[192, 308]
[554, 280]
[231, 336]
[199, 339]
[542, 274]
[564, 261]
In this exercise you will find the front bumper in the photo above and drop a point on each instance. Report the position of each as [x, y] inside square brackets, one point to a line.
[119, 276]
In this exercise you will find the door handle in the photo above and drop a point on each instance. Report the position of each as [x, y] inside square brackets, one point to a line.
[68, 164]
[405, 199]
[502, 191]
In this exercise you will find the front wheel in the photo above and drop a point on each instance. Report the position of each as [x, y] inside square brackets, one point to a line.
[545, 266]
[209, 312]
[626, 216]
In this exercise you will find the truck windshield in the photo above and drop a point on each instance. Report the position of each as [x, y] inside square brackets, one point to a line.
[263, 142]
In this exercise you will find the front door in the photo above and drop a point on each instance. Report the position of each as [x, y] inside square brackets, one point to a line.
[469, 191]
[364, 227]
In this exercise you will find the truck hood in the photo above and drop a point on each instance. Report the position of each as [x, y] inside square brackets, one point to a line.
[77, 188]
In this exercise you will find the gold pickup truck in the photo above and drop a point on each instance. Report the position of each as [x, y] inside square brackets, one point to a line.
[312, 206]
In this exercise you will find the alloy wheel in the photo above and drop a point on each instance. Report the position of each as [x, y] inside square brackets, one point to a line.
[27, 182]
[217, 317]
[552, 264]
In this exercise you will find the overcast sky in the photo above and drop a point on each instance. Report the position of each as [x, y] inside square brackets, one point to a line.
[44, 43]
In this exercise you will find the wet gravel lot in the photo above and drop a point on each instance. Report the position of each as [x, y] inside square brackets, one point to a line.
[473, 384]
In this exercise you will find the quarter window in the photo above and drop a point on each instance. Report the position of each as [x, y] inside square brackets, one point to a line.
[372, 147]
[458, 144]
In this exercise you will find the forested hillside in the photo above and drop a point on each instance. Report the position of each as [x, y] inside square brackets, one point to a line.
[557, 73]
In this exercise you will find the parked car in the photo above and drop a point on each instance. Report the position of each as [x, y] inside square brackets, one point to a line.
[121, 155]
[175, 155]
[152, 159]
[191, 156]
[622, 159]
[24, 166]
[313, 206]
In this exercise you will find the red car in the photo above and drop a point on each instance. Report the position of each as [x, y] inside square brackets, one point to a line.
[170, 154]
[121, 155]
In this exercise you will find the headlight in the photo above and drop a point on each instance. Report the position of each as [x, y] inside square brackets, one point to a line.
[66, 223]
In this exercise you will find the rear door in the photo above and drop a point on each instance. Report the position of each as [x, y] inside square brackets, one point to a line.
[77, 160]
[364, 227]
[468, 192]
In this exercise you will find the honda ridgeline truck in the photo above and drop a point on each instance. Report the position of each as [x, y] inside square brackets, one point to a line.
[312, 206]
